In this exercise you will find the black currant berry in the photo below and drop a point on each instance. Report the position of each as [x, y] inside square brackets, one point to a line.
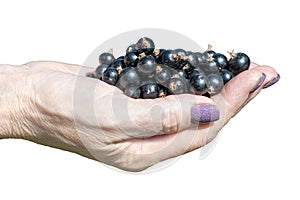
[132, 49]
[162, 75]
[147, 65]
[199, 84]
[220, 60]
[195, 71]
[176, 86]
[128, 76]
[163, 91]
[200, 58]
[145, 45]
[110, 76]
[192, 59]
[118, 64]
[215, 84]
[169, 57]
[181, 58]
[149, 91]
[131, 59]
[226, 75]
[181, 73]
[99, 70]
[210, 66]
[238, 63]
[157, 54]
[208, 53]
[106, 58]
[132, 91]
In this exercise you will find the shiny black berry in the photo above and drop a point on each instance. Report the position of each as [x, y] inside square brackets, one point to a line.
[221, 60]
[177, 86]
[208, 53]
[147, 65]
[215, 84]
[170, 58]
[118, 64]
[157, 54]
[192, 58]
[110, 76]
[195, 71]
[149, 91]
[163, 91]
[106, 58]
[132, 91]
[226, 75]
[209, 67]
[200, 58]
[182, 58]
[162, 74]
[145, 45]
[128, 76]
[132, 49]
[199, 84]
[99, 70]
[238, 63]
[131, 59]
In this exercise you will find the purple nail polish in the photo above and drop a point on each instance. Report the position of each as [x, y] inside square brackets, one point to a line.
[205, 113]
[260, 82]
[272, 82]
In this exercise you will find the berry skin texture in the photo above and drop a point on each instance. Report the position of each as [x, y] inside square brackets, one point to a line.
[132, 49]
[177, 86]
[169, 57]
[215, 84]
[162, 75]
[239, 63]
[132, 91]
[199, 83]
[226, 75]
[145, 45]
[106, 58]
[131, 59]
[99, 70]
[118, 64]
[220, 60]
[128, 76]
[147, 65]
[110, 76]
[149, 91]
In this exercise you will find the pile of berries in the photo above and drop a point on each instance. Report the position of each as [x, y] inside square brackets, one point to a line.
[147, 72]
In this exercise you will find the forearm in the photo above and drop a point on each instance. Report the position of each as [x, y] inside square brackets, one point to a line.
[10, 116]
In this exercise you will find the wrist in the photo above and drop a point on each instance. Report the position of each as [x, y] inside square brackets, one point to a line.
[13, 92]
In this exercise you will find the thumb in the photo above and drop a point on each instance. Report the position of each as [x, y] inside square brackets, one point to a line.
[171, 114]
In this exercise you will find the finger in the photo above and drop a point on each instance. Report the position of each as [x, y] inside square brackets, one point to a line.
[167, 115]
[62, 67]
[143, 153]
[253, 65]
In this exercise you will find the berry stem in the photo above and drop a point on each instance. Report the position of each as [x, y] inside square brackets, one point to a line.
[209, 47]
[231, 53]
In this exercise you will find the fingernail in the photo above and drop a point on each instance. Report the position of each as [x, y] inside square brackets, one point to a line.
[260, 82]
[272, 82]
[205, 113]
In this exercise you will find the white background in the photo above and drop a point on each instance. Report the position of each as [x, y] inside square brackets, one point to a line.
[257, 155]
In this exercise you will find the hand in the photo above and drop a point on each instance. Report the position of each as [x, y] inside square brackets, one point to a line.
[54, 104]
